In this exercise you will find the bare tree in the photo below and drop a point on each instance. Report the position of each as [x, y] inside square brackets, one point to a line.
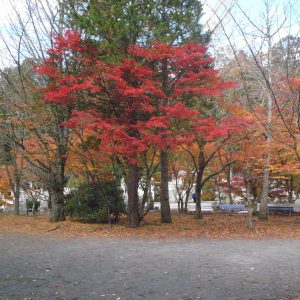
[258, 38]
[28, 36]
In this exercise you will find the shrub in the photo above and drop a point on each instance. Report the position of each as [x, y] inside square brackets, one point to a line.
[96, 203]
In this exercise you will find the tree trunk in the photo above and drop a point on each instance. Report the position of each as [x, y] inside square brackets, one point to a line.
[290, 189]
[17, 192]
[199, 186]
[180, 203]
[199, 214]
[59, 180]
[17, 203]
[263, 208]
[228, 178]
[253, 191]
[218, 189]
[264, 197]
[15, 183]
[150, 196]
[250, 219]
[186, 202]
[165, 212]
[250, 205]
[49, 201]
[57, 205]
[133, 216]
[145, 198]
[263, 211]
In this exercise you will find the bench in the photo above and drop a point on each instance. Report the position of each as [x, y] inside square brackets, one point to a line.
[205, 206]
[232, 207]
[281, 209]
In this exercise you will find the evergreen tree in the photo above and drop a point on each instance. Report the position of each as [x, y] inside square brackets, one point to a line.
[125, 22]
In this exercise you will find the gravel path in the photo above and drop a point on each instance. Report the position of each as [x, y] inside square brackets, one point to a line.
[34, 267]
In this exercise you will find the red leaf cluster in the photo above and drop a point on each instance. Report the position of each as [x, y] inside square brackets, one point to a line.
[126, 105]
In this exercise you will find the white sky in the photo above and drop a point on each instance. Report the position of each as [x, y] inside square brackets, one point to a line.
[285, 19]
[9, 11]
[288, 10]
[6, 9]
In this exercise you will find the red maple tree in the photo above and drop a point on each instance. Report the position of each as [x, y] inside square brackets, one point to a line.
[143, 100]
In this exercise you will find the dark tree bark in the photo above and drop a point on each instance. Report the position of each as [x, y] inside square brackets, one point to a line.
[185, 209]
[249, 203]
[228, 179]
[165, 212]
[181, 203]
[290, 187]
[133, 199]
[263, 208]
[145, 198]
[165, 216]
[198, 189]
[15, 183]
[59, 180]
[17, 193]
[199, 184]
[57, 204]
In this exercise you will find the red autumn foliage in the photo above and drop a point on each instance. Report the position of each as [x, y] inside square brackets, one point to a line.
[125, 104]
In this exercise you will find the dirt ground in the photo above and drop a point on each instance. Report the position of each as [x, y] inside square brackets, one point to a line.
[225, 226]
